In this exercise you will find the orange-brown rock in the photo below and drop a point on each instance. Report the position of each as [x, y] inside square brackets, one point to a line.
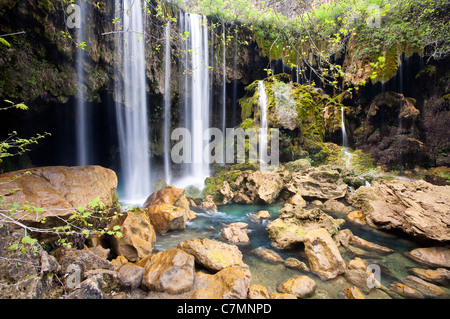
[299, 286]
[352, 292]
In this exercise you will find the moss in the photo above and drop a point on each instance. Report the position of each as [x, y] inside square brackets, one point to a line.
[248, 123]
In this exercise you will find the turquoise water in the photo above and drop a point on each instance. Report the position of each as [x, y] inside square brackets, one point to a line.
[393, 267]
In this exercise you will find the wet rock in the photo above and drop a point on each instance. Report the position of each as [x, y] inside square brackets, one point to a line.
[417, 208]
[426, 288]
[259, 216]
[290, 229]
[352, 292]
[438, 276]
[299, 286]
[267, 255]
[323, 255]
[405, 291]
[296, 264]
[211, 254]
[432, 256]
[170, 271]
[229, 283]
[258, 292]
[138, 238]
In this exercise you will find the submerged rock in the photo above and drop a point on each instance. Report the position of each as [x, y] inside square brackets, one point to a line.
[405, 291]
[418, 208]
[267, 255]
[323, 255]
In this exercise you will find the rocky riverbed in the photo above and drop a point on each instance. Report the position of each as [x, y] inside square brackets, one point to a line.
[297, 232]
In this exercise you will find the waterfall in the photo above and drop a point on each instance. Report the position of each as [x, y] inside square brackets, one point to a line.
[344, 132]
[263, 129]
[197, 96]
[224, 88]
[167, 107]
[131, 102]
[81, 115]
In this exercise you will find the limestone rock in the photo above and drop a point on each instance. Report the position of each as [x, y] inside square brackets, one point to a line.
[358, 241]
[357, 217]
[267, 255]
[440, 276]
[318, 182]
[297, 200]
[170, 271]
[405, 291]
[417, 208]
[130, 276]
[166, 217]
[358, 274]
[323, 255]
[432, 256]
[235, 235]
[259, 216]
[229, 283]
[426, 288]
[335, 206]
[279, 295]
[299, 286]
[168, 195]
[296, 264]
[293, 224]
[258, 292]
[352, 292]
[89, 289]
[211, 254]
[138, 238]
[264, 187]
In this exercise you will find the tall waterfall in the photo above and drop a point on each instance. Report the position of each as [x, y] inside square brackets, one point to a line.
[263, 129]
[197, 95]
[81, 115]
[224, 88]
[131, 102]
[167, 106]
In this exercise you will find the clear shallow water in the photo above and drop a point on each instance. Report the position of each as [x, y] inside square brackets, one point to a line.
[394, 267]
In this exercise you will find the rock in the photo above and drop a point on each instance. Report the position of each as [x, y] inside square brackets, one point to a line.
[58, 190]
[166, 217]
[316, 202]
[357, 241]
[258, 292]
[239, 225]
[278, 295]
[359, 275]
[290, 229]
[438, 176]
[108, 279]
[357, 217]
[438, 276]
[208, 204]
[318, 182]
[235, 235]
[417, 208]
[298, 165]
[335, 206]
[432, 256]
[405, 291]
[296, 264]
[130, 277]
[323, 255]
[168, 195]
[297, 200]
[267, 255]
[89, 289]
[138, 235]
[119, 262]
[343, 237]
[263, 187]
[211, 254]
[426, 288]
[352, 292]
[25, 274]
[299, 286]
[259, 216]
[170, 271]
[229, 283]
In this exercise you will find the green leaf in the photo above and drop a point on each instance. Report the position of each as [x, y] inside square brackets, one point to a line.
[5, 43]
[13, 247]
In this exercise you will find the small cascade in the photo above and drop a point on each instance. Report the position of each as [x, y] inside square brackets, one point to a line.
[263, 129]
[81, 115]
[131, 102]
[167, 106]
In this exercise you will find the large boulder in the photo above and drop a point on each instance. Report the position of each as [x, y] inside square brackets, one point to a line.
[293, 224]
[229, 283]
[418, 208]
[264, 186]
[323, 182]
[57, 191]
[323, 255]
[138, 235]
[170, 271]
[169, 209]
[211, 254]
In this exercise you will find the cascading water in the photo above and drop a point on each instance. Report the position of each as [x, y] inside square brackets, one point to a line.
[197, 96]
[224, 88]
[82, 118]
[263, 129]
[344, 131]
[131, 102]
[167, 106]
